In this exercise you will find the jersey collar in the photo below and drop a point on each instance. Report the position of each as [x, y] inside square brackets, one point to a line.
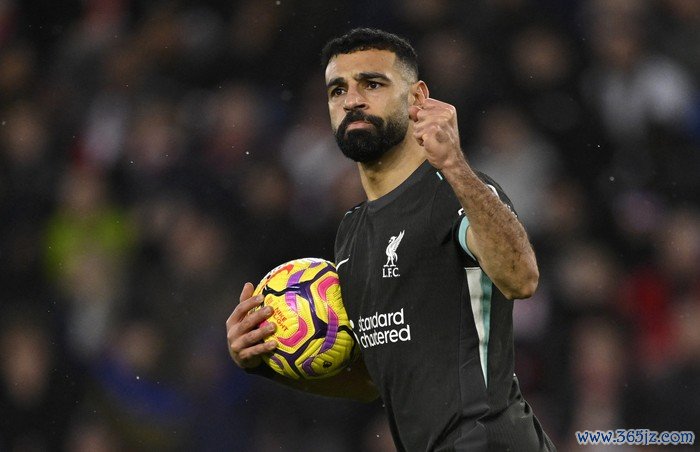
[417, 175]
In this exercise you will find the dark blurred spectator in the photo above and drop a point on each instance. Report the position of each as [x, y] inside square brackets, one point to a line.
[423, 16]
[238, 123]
[312, 159]
[154, 148]
[316, 424]
[678, 33]
[654, 287]
[105, 130]
[130, 391]
[27, 182]
[543, 72]
[252, 34]
[452, 65]
[268, 197]
[641, 96]
[90, 435]
[675, 395]
[583, 287]
[670, 399]
[634, 87]
[8, 21]
[570, 215]
[38, 394]
[87, 246]
[185, 279]
[17, 72]
[587, 277]
[519, 159]
[599, 373]
[222, 399]
[188, 277]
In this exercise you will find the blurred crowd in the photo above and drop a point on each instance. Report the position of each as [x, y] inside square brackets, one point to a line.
[155, 155]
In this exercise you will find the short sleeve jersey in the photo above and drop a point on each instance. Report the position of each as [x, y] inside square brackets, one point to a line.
[436, 334]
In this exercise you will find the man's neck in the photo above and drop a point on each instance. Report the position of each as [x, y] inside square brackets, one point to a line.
[380, 177]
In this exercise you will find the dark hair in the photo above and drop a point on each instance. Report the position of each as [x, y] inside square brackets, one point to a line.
[370, 38]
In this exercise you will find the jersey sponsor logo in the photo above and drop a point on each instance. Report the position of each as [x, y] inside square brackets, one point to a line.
[382, 328]
[390, 269]
[344, 261]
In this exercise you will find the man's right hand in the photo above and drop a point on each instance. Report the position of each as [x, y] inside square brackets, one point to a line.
[245, 339]
[247, 346]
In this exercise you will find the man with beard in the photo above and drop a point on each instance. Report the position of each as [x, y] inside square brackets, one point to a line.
[429, 264]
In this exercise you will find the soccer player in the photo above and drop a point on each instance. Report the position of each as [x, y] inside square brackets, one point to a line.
[429, 265]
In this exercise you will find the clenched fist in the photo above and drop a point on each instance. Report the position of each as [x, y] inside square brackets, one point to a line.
[435, 128]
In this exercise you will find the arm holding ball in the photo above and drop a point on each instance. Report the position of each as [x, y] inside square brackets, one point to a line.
[247, 345]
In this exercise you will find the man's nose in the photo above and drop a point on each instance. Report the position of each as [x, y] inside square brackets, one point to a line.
[354, 100]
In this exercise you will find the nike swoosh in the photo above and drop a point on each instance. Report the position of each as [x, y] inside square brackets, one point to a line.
[341, 263]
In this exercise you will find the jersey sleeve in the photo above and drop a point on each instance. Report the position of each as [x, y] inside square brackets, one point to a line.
[341, 234]
[339, 240]
[450, 222]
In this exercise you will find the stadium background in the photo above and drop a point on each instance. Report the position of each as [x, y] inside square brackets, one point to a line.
[155, 155]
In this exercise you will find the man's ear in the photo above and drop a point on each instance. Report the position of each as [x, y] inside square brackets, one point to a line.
[420, 93]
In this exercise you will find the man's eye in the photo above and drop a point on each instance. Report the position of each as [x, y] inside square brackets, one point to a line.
[337, 92]
[373, 85]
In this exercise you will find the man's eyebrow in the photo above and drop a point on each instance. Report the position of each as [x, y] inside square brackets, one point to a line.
[361, 76]
[371, 75]
[335, 81]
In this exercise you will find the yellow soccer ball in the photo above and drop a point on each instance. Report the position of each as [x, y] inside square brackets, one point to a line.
[313, 331]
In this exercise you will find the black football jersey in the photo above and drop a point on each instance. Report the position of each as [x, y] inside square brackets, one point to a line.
[436, 334]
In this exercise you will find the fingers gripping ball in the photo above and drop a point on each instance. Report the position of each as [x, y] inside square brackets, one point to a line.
[313, 331]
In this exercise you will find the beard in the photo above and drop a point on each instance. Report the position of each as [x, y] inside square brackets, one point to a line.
[368, 145]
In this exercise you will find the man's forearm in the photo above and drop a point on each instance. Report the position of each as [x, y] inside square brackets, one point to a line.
[498, 240]
[352, 382]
